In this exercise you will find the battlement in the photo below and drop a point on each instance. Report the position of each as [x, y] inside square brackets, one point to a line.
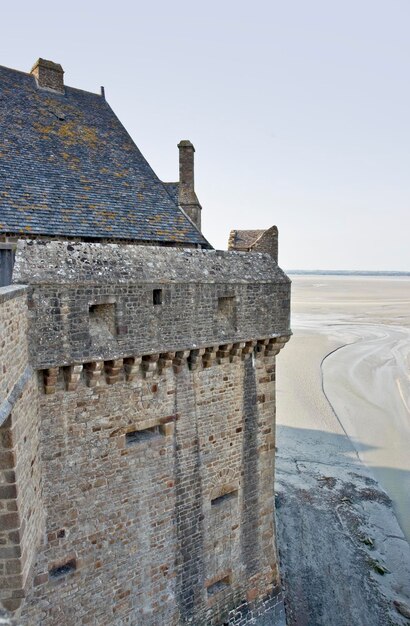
[137, 387]
[93, 302]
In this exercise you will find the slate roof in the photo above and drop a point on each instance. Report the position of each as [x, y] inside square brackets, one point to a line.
[243, 239]
[173, 190]
[69, 168]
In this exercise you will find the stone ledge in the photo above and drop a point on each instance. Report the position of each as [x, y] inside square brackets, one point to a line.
[167, 355]
[147, 366]
[11, 291]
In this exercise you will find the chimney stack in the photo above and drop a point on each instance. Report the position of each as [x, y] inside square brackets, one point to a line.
[187, 196]
[49, 75]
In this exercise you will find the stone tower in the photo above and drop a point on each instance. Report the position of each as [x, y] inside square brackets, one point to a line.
[137, 397]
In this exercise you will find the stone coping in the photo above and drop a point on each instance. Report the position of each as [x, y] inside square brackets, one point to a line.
[77, 263]
[11, 291]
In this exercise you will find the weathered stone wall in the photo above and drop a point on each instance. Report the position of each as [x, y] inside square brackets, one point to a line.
[169, 525]
[267, 242]
[156, 386]
[21, 512]
[206, 298]
[13, 337]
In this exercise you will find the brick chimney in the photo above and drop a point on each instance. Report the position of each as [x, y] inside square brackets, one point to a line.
[187, 196]
[49, 75]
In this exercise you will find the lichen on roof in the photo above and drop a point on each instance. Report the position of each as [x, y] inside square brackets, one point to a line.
[69, 168]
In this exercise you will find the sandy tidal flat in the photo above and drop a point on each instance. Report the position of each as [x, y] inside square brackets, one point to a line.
[343, 439]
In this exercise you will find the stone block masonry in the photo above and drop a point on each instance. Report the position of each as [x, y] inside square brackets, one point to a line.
[76, 288]
[150, 492]
[144, 445]
[21, 509]
[137, 382]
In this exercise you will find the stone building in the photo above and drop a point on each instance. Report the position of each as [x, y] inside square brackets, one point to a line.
[137, 389]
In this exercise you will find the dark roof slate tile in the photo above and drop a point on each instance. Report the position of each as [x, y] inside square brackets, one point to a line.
[69, 168]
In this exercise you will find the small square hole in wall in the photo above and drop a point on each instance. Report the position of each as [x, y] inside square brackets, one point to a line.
[219, 585]
[157, 296]
[224, 499]
[63, 569]
[102, 318]
[143, 436]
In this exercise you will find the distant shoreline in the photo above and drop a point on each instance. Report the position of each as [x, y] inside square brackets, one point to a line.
[345, 273]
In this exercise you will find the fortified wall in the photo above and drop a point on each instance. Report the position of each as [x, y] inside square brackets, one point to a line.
[156, 425]
[137, 381]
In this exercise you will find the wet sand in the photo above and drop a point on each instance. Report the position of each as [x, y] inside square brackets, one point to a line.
[343, 434]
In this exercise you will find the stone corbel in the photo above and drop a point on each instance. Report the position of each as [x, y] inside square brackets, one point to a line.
[93, 373]
[113, 370]
[209, 356]
[149, 364]
[131, 367]
[180, 360]
[72, 375]
[195, 359]
[236, 352]
[248, 349]
[261, 346]
[166, 360]
[276, 344]
[224, 352]
[50, 379]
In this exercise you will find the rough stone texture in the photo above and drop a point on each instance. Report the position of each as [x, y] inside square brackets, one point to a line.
[145, 479]
[187, 198]
[49, 75]
[6, 619]
[137, 516]
[13, 329]
[255, 241]
[21, 511]
[141, 490]
[67, 279]
[136, 463]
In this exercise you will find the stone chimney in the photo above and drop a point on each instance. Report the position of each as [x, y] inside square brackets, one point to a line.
[187, 196]
[49, 75]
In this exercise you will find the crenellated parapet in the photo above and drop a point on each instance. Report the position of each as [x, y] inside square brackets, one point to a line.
[94, 373]
[92, 302]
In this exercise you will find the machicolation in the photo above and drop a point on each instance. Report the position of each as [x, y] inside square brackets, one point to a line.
[137, 390]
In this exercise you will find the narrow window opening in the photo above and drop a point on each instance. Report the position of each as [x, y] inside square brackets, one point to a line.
[140, 436]
[7, 255]
[157, 296]
[224, 499]
[63, 570]
[219, 585]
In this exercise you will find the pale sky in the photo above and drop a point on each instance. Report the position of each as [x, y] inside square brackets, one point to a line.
[298, 110]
